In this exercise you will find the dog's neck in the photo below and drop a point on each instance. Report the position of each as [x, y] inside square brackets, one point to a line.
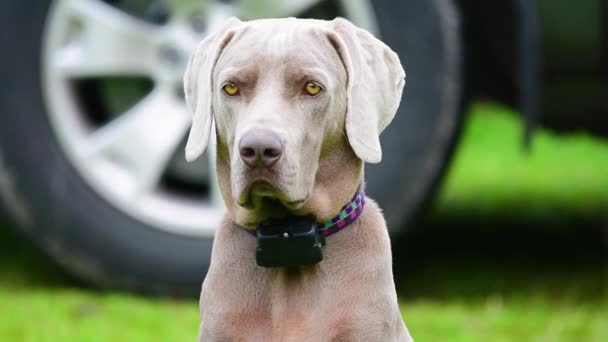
[339, 176]
[298, 240]
[349, 213]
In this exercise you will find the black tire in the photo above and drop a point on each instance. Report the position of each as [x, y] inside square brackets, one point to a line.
[418, 144]
[59, 211]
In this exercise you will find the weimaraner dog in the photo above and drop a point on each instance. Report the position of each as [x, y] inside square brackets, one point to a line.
[298, 106]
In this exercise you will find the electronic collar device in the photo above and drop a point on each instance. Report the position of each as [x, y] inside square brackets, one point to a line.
[299, 240]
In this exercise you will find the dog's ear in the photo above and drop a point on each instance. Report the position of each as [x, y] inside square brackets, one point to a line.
[198, 86]
[375, 84]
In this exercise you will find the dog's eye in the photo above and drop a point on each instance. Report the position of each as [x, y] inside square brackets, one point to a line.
[230, 89]
[312, 88]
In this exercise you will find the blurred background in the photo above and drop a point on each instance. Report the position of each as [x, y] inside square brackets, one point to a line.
[496, 189]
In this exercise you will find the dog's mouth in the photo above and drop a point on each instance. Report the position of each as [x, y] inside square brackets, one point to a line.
[263, 196]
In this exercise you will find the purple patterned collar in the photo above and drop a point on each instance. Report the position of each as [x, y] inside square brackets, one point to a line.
[347, 215]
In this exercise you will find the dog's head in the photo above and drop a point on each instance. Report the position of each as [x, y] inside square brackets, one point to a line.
[298, 105]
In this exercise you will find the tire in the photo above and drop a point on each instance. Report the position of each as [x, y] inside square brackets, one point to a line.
[87, 234]
[418, 144]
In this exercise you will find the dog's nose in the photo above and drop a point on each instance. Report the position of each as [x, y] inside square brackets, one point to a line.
[260, 148]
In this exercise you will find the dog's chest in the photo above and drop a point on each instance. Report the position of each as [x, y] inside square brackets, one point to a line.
[285, 324]
[290, 306]
[293, 301]
[275, 325]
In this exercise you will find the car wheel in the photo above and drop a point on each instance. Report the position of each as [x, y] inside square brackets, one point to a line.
[94, 123]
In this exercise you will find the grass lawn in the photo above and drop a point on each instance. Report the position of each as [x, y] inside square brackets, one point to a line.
[562, 178]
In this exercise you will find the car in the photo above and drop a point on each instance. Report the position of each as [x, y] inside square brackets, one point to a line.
[92, 168]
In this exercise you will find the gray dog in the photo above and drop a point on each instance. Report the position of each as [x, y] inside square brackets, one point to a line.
[298, 107]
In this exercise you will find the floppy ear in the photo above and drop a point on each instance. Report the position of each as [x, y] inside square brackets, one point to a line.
[198, 86]
[375, 84]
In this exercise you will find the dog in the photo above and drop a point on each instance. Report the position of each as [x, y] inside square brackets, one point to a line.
[297, 106]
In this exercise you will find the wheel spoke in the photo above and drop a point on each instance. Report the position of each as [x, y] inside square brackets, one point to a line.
[254, 9]
[361, 12]
[138, 145]
[184, 9]
[106, 41]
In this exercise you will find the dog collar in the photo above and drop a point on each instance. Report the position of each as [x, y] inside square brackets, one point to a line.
[298, 240]
[349, 213]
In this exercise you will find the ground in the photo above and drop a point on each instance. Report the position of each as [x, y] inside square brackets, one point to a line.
[512, 250]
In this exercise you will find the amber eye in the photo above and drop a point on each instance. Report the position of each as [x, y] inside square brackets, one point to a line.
[230, 89]
[312, 88]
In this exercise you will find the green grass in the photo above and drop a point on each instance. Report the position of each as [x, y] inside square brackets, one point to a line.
[561, 175]
[527, 319]
[77, 315]
[460, 300]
